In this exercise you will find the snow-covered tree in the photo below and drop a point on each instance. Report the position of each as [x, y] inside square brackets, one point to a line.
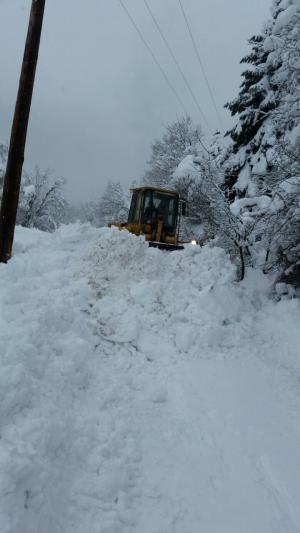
[209, 211]
[268, 105]
[41, 203]
[275, 219]
[86, 212]
[192, 170]
[113, 205]
[262, 166]
[178, 140]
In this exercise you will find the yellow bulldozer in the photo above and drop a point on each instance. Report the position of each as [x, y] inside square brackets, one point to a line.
[156, 214]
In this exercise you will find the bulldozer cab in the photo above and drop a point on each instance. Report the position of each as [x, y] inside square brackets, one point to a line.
[155, 213]
[148, 205]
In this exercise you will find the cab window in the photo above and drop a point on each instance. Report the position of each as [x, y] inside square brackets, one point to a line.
[165, 205]
[135, 207]
[147, 210]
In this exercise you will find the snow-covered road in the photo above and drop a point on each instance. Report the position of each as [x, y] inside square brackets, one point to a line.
[144, 392]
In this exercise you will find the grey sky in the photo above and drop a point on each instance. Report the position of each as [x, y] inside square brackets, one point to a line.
[99, 99]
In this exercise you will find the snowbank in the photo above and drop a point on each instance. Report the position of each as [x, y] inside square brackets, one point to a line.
[143, 391]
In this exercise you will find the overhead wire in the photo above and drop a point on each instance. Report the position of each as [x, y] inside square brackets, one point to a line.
[160, 31]
[169, 83]
[200, 63]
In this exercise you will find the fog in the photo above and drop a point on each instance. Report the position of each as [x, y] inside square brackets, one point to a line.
[100, 99]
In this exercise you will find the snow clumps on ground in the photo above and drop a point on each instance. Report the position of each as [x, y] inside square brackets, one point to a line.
[144, 391]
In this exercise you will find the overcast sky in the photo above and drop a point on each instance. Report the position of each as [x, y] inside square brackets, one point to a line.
[99, 98]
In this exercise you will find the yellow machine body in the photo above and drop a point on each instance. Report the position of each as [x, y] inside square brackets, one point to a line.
[155, 213]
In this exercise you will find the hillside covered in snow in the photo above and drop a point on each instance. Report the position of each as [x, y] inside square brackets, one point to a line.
[144, 391]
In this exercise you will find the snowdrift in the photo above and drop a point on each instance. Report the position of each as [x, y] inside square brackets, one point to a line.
[142, 289]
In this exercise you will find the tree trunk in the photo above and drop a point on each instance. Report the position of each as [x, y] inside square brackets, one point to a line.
[242, 271]
[12, 180]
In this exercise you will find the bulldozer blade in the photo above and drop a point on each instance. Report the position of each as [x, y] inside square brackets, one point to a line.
[165, 246]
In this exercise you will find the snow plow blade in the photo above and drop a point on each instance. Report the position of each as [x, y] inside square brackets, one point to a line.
[165, 246]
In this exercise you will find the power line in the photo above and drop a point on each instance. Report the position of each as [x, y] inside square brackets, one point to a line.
[153, 57]
[200, 63]
[176, 62]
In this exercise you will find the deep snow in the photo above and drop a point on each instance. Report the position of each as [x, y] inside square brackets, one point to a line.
[143, 391]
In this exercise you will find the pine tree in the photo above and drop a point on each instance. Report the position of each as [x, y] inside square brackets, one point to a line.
[267, 106]
[251, 104]
[263, 163]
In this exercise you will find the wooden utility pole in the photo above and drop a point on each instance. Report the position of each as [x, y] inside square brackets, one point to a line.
[12, 179]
